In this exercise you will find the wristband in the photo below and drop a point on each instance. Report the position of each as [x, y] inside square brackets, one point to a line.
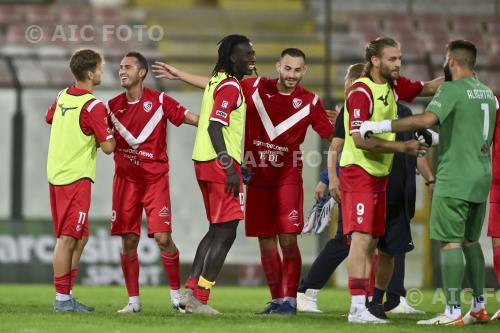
[385, 126]
[430, 182]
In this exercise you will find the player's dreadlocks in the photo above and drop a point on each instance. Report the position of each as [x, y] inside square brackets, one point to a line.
[375, 48]
[226, 46]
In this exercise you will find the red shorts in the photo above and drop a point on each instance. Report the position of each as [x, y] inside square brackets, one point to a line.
[221, 207]
[129, 200]
[70, 207]
[363, 201]
[274, 210]
[494, 220]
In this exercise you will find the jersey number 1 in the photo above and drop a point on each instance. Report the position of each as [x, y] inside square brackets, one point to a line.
[486, 124]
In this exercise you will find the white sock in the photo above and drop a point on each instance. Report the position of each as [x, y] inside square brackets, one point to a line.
[453, 311]
[291, 300]
[477, 303]
[277, 300]
[134, 300]
[63, 297]
[358, 301]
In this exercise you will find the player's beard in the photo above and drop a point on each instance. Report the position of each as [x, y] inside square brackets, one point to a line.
[385, 72]
[447, 72]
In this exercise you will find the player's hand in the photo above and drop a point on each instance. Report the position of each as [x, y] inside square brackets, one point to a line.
[333, 114]
[428, 136]
[415, 148]
[232, 182]
[163, 70]
[334, 189]
[319, 191]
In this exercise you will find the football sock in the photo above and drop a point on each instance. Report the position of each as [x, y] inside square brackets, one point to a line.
[202, 292]
[477, 303]
[358, 287]
[371, 281]
[453, 311]
[271, 265]
[130, 268]
[292, 264]
[172, 269]
[73, 273]
[474, 268]
[134, 299]
[378, 296]
[191, 282]
[332, 255]
[496, 261]
[452, 271]
[62, 284]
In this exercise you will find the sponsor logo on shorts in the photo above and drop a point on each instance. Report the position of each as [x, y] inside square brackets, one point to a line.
[294, 215]
[164, 212]
[297, 102]
[221, 113]
[147, 106]
[359, 220]
[296, 225]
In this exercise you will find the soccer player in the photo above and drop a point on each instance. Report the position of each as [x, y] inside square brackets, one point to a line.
[494, 216]
[464, 108]
[217, 163]
[279, 112]
[400, 205]
[78, 123]
[365, 164]
[141, 182]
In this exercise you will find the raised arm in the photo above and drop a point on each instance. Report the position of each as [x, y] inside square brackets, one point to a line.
[430, 87]
[164, 70]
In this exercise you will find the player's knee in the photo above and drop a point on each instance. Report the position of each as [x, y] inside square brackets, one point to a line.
[129, 243]
[67, 243]
[165, 242]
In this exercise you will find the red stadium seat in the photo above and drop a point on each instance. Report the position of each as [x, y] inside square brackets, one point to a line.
[10, 14]
[39, 14]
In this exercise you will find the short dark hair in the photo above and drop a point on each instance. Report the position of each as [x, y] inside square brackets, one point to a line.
[463, 51]
[226, 46]
[143, 62]
[293, 52]
[375, 48]
[83, 61]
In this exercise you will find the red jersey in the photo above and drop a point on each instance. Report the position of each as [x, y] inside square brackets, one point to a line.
[276, 126]
[495, 165]
[359, 99]
[93, 118]
[141, 134]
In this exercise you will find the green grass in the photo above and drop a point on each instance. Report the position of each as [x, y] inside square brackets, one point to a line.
[27, 309]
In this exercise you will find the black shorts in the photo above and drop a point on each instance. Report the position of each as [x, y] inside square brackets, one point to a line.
[397, 236]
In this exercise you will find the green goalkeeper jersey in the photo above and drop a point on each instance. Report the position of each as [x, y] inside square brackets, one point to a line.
[466, 109]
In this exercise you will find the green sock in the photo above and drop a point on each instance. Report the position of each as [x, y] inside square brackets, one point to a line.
[452, 271]
[474, 267]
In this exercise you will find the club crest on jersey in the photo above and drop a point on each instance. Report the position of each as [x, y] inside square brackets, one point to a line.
[297, 102]
[148, 105]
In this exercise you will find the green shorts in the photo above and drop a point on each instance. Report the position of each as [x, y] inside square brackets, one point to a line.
[454, 220]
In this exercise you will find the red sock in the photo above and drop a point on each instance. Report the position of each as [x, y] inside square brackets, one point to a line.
[130, 268]
[371, 283]
[496, 261]
[63, 283]
[292, 263]
[172, 269]
[191, 283]
[201, 294]
[73, 273]
[271, 264]
[358, 286]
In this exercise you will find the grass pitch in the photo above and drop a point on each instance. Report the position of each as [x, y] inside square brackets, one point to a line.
[28, 309]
